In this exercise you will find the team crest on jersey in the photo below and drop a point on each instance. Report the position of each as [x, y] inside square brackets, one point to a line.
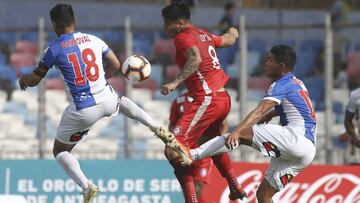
[203, 172]
[271, 149]
[177, 130]
[285, 179]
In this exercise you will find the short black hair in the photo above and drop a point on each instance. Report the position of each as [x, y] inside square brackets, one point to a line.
[229, 5]
[284, 54]
[176, 11]
[62, 15]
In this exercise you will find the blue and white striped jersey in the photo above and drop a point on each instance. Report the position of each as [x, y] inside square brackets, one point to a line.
[294, 105]
[78, 56]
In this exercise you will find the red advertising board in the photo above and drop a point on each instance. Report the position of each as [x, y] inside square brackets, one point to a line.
[316, 184]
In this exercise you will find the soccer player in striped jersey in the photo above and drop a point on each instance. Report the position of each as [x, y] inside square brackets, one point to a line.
[79, 57]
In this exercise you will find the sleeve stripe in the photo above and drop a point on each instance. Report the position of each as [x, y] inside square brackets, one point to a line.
[106, 51]
[273, 99]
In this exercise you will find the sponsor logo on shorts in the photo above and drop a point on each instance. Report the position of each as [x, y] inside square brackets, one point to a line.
[177, 130]
[285, 179]
[78, 136]
[271, 149]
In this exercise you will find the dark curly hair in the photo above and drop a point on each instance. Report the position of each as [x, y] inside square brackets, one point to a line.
[284, 54]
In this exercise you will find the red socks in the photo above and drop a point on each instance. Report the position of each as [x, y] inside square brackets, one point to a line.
[186, 180]
[223, 164]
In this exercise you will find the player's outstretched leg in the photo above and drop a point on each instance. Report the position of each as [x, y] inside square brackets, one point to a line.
[131, 110]
[90, 193]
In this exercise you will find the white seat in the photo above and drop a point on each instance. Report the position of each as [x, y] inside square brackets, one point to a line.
[141, 95]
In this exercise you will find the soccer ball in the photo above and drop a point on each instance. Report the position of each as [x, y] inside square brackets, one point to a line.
[136, 68]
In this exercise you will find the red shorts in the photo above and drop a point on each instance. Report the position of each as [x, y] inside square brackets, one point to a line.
[201, 170]
[204, 117]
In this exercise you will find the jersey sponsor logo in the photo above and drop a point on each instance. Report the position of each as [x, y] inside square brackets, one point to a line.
[285, 179]
[271, 149]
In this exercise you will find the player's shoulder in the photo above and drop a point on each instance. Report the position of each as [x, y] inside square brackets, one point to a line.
[355, 94]
[181, 36]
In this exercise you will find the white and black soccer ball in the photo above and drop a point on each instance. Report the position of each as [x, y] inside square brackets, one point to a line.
[136, 68]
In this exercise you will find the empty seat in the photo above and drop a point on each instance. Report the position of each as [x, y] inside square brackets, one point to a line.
[259, 83]
[141, 95]
[26, 46]
[289, 42]
[147, 84]
[118, 83]
[157, 73]
[54, 83]
[22, 59]
[311, 45]
[164, 46]
[171, 72]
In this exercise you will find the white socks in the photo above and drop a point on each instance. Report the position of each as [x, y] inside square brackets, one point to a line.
[72, 168]
[131, 110]
[215, 146]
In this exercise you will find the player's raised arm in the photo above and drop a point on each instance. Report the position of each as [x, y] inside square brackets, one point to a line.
[229, 37]
[34, 78]
[193, 60]
[251, 119]
[112, 64]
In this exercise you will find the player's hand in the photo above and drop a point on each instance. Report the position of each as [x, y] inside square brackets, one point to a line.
[167, 88]
[233, 31]
[22, 83]
[232, 141]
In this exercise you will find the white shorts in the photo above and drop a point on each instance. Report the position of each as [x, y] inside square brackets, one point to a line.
[289, 149]
[74, 125]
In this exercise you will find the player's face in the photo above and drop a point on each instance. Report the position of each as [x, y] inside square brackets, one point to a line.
[172, 27]
[272, 68]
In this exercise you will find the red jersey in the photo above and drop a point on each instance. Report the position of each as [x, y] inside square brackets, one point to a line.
[209, 77]
[178, 107]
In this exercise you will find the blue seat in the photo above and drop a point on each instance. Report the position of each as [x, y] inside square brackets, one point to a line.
[142, 47]
[316, 89]
[114, 36]
[8, 37]
[51, 37]
[357, 46]
[29, 36]
[2, 59]
[146, 36]
[26, 70]
[258, 45]
[313, 46]
[289, 42]
[53, 73]
[8, 73]
[305, 64]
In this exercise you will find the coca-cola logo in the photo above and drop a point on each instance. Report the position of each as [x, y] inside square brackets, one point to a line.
[329, 188]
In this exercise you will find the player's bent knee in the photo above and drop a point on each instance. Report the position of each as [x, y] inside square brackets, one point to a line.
[60, 147]
[265, 192]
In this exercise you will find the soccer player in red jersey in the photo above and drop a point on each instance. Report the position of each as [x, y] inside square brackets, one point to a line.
[201, 71]
[201, 168]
